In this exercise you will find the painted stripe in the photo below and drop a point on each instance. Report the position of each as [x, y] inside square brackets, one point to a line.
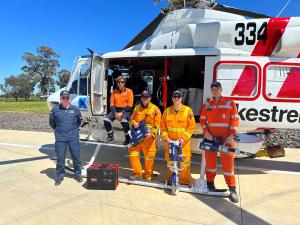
[291, 85]
[247, 81]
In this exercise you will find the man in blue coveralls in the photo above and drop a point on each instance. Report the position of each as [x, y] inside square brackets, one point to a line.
[65, 119]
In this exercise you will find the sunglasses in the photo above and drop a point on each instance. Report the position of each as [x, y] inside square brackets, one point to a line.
[145, 97]
[121, 82]
[65, 98]
[176, 96]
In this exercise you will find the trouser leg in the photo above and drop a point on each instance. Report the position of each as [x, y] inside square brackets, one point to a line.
[135, 162]
[60, 149]
[227, 161]
[125, 124]
[108, 122]
[149, 150]
[211, 165]
[74, 148]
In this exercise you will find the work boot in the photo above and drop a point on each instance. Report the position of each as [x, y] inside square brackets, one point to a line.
[110, 138]
[233, 195]
[211, 186]
[58, 181]
[79, 179]
[127, 139]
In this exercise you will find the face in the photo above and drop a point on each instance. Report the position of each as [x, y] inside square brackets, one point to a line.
[121, 84]
[216, 92]
[146, 100]
[65, 100]
[176, 100]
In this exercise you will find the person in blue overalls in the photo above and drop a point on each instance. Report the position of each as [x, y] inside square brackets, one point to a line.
[65, 119]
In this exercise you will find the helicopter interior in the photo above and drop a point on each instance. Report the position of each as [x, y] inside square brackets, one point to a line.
[185, 73]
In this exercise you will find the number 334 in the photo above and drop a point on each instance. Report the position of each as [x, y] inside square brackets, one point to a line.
[253, 34]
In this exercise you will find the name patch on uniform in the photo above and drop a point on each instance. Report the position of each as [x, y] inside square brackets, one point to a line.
[71, 111]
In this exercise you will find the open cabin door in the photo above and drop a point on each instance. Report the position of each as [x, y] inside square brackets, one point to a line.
[98, 93]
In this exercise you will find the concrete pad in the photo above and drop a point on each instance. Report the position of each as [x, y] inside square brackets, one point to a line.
[269, 190]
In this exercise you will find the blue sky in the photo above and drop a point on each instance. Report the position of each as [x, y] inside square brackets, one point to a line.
[69, 26]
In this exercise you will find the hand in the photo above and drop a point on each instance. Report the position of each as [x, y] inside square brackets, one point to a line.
[136, 125]
[118, 115]
[208, 136]
[229, 139]
[181, 142]
[148, 135]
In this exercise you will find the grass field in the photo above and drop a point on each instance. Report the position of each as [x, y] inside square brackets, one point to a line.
[30, 106]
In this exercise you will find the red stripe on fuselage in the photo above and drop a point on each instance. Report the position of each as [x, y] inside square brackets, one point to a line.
[275, 30]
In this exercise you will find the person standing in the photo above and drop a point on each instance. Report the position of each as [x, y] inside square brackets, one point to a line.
[65, 119]
[178, 124]
[151, 115]
[219, 120]
[121, 102]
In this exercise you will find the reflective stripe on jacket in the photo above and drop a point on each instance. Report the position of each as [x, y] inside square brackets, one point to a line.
[151, 115]
[176, 125]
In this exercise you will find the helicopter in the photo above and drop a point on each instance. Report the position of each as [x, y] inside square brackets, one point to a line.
[190, 44]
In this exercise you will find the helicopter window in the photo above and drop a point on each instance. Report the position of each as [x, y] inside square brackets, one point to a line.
[84, 72]
[282, 82]
[238, 80]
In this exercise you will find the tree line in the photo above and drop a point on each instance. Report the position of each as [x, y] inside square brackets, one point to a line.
[41, 71]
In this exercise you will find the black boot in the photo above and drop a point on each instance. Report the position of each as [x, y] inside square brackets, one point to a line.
[110, 138]
[127, 139]
[211, 186]
[233, 195]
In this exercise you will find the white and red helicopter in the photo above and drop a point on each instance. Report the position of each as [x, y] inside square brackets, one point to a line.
[189, 45]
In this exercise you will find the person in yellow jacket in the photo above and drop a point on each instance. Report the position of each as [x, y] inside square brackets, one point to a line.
[151, 115]
[178, 124]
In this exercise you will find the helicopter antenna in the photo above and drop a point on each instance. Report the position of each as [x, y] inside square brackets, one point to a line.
[288, 2]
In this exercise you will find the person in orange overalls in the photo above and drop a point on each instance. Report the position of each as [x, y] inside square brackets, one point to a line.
[219, 120]
[121, 102]
[178, 124]
[151, 115]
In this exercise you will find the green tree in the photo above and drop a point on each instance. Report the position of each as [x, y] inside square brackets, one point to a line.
[63, 78]
[26, 86]
[11, 87]
[42, 67]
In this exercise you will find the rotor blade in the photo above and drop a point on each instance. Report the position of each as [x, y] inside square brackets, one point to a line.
[147, 31]
[228, 9]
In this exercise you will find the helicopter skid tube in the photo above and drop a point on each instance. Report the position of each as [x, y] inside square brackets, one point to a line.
[183, 188]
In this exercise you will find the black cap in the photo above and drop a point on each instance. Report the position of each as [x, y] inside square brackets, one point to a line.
[64, 93]
[146, 93]
[215, 84]
[177, 93]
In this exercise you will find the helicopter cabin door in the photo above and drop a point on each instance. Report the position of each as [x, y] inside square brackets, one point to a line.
[98, 93]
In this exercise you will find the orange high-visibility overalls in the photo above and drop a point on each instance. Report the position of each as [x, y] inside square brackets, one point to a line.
[174, 126]
[220, 119]
[152, 117]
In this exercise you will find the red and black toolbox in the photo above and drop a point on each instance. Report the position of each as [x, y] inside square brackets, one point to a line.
[103, 176]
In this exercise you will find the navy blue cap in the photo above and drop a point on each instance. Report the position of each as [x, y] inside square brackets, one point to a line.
[215, 84]
[64, 93]
[146, 93]
[177, 93]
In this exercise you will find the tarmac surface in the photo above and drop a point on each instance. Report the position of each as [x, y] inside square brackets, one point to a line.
[269, 190]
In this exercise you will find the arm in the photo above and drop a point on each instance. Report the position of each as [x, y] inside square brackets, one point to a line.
[132, 118]
[129, 102]
[191, 125]
[52, 119]
[156, 123]
[203, 119]
[234, 118]
[164, 132]
[79, 117]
